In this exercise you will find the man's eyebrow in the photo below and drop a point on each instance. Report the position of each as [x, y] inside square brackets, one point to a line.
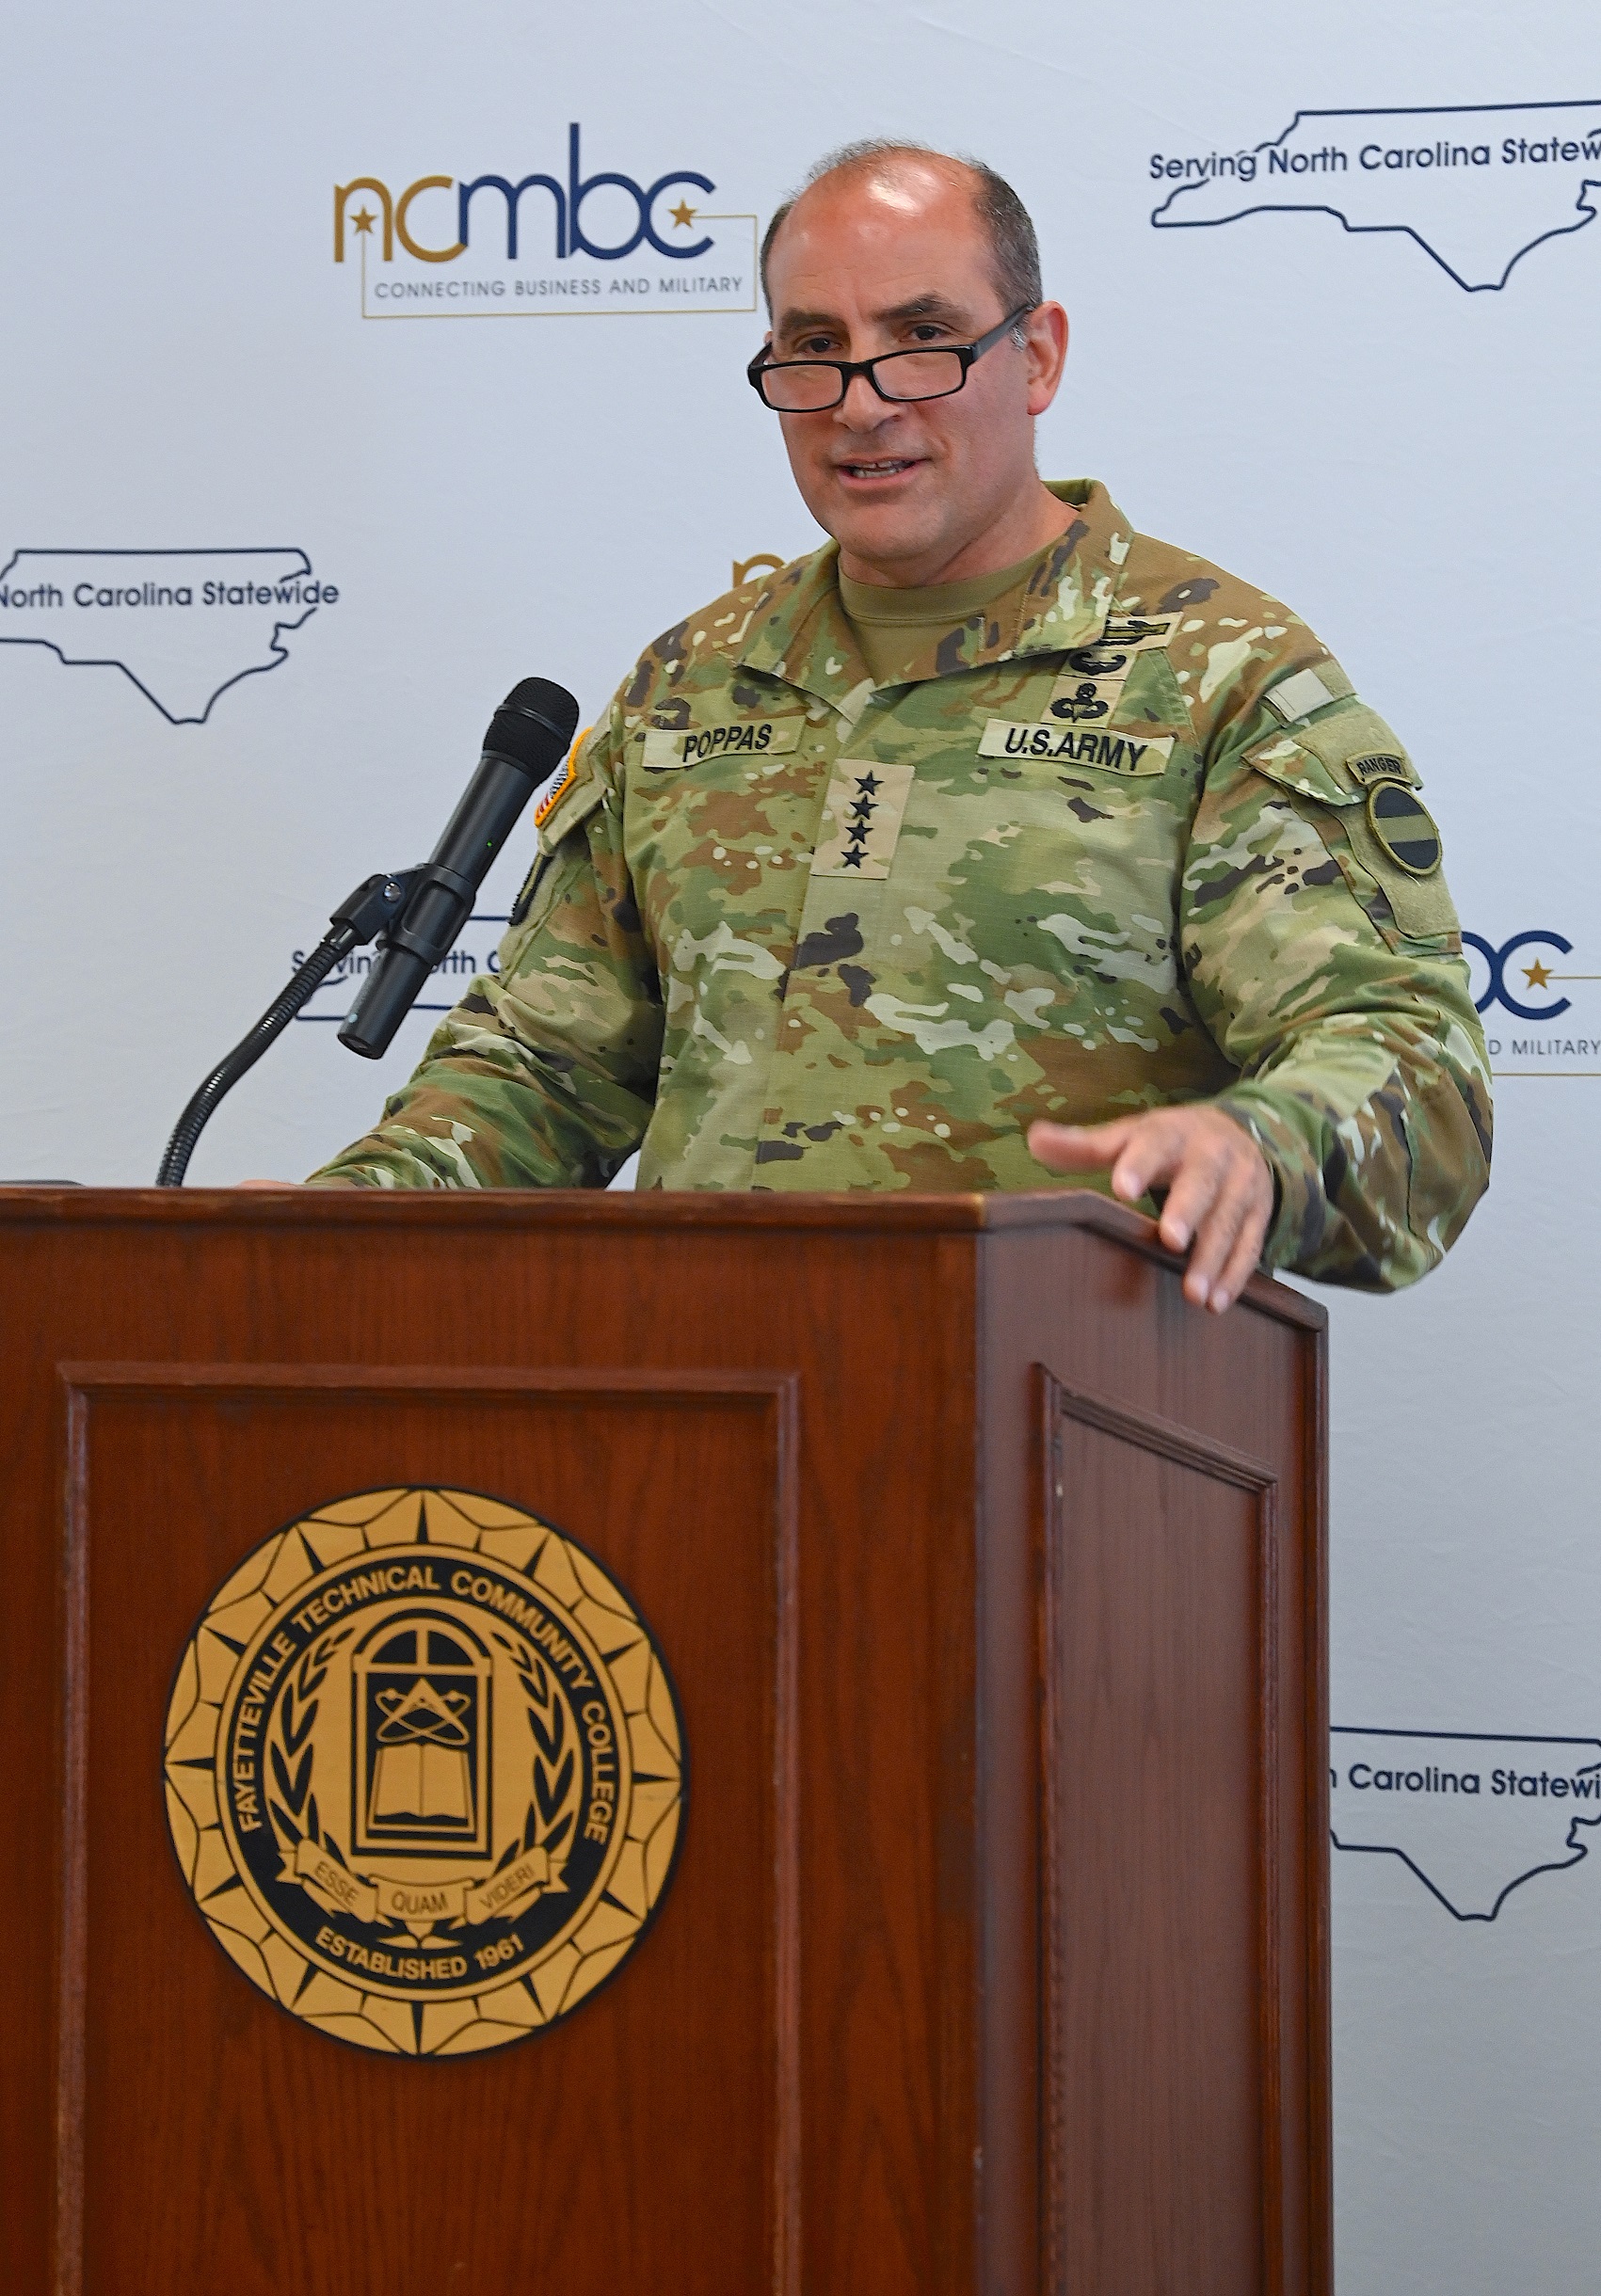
[797, 322]
[923, 307]
[929, 306]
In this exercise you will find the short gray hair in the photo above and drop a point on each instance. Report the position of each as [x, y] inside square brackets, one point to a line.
[1014, 249]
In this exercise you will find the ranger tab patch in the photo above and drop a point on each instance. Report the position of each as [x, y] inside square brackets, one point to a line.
[664, 752]
[1386, 765]
[1110, 753]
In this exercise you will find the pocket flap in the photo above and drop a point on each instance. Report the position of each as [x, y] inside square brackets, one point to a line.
[1336, 760]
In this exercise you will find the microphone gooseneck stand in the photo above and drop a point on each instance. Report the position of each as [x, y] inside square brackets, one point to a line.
[417, 912]
[359, 918]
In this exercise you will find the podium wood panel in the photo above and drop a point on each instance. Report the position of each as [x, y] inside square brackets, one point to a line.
[217, 2079]
[991, 1579]
[1173, 2150]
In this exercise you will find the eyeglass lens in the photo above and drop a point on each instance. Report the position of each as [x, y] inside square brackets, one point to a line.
[801, 388]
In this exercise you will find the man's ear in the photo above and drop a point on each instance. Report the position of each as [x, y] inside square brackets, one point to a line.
[1046, 352]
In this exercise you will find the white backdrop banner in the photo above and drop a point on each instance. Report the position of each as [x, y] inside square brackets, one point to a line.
[366, 358]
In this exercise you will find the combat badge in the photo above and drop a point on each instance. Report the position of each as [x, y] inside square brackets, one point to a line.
[425, 1772]
[1404, 828]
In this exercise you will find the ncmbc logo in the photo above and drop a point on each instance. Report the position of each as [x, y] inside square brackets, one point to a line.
[1537, 996]
[544, 243]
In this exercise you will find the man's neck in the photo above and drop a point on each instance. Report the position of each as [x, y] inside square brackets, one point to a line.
[1037, 517]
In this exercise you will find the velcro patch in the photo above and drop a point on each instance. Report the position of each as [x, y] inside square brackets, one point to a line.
[1110, 753]
[665, 752]
[1296, 697]
[861, 819]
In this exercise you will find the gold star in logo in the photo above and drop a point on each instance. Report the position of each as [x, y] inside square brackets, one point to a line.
[1537, 975]
[364, 219]
[683, 214]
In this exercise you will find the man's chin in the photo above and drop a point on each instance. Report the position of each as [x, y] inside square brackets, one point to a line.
[882, 534]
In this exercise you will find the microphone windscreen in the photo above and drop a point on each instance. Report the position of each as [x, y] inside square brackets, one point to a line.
[533, 724]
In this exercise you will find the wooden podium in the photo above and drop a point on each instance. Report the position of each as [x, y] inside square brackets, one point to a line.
[992, 1581]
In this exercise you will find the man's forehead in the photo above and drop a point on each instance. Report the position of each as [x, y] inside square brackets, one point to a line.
[878, 263]
[930, 302]
[880, 220]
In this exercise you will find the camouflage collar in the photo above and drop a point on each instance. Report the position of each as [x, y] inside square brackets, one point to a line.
[800, 631]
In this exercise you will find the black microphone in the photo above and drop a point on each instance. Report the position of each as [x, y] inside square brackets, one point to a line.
[527, 739]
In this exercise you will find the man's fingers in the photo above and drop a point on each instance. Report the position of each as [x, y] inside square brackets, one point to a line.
[1080, 1147]
[1198, 1170]
[1161, 1149]
[1228, 1241]
[1216, 1234]
[1218, 1188]
[1241, 1261]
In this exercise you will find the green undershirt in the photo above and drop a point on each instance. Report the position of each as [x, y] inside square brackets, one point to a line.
[899, 629]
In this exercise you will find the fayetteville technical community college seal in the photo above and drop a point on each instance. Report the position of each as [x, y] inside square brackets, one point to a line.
[425, 1771]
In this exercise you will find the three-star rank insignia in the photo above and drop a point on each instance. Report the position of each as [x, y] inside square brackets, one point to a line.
[1404, 827]
[425, 1771]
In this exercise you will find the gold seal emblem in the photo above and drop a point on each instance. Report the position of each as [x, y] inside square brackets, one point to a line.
[425, 1771]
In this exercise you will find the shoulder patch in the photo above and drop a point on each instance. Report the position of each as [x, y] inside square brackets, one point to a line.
[1404, 827]
[574, 794]
[555, 790]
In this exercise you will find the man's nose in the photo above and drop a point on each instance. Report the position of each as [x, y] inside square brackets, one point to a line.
[861, 408]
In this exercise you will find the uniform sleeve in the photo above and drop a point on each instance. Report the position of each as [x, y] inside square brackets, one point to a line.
[544, 1076]
[1330, 972]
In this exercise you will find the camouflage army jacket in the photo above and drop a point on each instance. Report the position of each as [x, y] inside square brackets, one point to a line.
[786, 929]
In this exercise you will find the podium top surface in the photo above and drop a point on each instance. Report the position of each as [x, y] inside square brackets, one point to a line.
[617, 1213]
[864, 1212]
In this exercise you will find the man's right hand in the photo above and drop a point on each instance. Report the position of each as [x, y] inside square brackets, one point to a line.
[1220, 1191]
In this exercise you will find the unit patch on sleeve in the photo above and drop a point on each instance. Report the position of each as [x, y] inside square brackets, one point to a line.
[1404, 827]
[861, 819]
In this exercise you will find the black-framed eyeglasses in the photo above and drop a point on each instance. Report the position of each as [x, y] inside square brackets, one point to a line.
[812, 386]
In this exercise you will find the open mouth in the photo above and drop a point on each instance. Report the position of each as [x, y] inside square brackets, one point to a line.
[886, 467]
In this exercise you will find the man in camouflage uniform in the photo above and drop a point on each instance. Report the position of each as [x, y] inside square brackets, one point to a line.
[1097, 858]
